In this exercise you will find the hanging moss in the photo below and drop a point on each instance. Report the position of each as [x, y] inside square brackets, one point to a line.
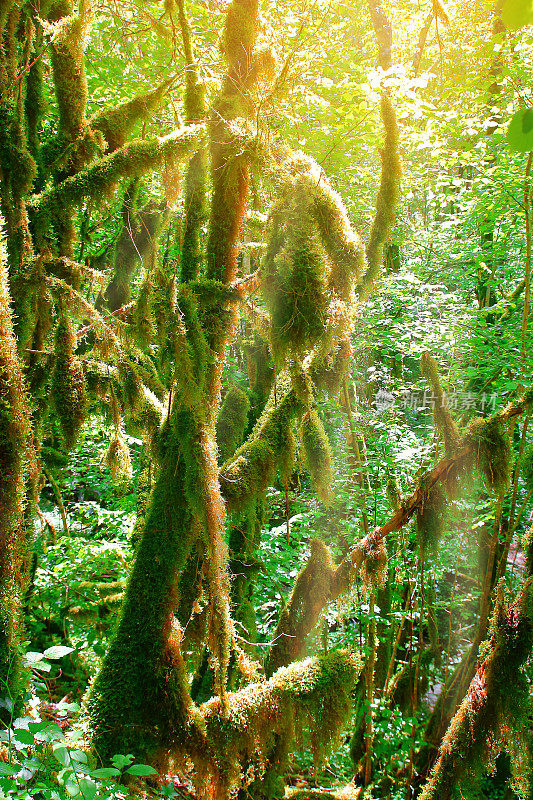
[195, 207]
[231, 422]
[294, 286]
[117, 122]
[491, 450]
[527, 467]
[118, 460]
[252, 469]
[401, 688]
[196, 175]
[343, 245]
[387, 199]
[68, 389]
[312, 590]
[441, 413]
[286, 462]
[18, 166]
[394, 492]
[260, 375]
[136, 243]
[374, 565]
[429, 518]
[35, 105]
[244, 541]
[317, 454]
[248, 474]
[147, 418]
[330, 375]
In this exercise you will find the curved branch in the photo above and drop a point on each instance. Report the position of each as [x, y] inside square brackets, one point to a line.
[133, 160]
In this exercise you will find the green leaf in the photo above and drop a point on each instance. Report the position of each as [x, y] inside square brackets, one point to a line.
[36, 727]
[23, 736]
[88, 788]
[517, 13]
[57, 651]
[7, 769]
[104, 773]
[62, 755]
[121, 761]
[520, 131]
[141, 769]
[78, 755]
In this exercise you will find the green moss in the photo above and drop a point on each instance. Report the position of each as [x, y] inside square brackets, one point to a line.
[331, 373]
[17, 470]
[136, 243]
[240, 32]
[494, 714]
[401, 688]
[195, 206]
[139, 694]
[145, 484]
[387, 199]
[317, 454]
[244, 542]
[264, 718]
[343, 245]
[394, 492]
[491, 451]
[312, 590]
[527, 467]
[294, 286]
[441, 413]
[133, 160]
[231, 422]
[374, 565]
[68, 389]
[35, 105]
[117, 122]
[250, 472]
[18, 165]
[429, 518]
[119, 462]
[252, 468]
[68, 65]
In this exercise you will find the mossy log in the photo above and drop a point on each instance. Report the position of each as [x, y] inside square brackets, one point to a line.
[264, 719]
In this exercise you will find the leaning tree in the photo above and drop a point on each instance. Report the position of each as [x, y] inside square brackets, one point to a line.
[77, 334]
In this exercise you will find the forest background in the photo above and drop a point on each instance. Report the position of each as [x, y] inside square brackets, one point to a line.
[151, 188]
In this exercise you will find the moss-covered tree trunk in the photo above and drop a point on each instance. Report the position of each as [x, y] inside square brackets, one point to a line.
[17, 479]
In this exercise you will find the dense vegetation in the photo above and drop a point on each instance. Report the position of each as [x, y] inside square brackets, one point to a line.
[266, 374]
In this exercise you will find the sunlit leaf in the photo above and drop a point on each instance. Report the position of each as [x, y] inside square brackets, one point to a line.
[517, 13]
[520, 131]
